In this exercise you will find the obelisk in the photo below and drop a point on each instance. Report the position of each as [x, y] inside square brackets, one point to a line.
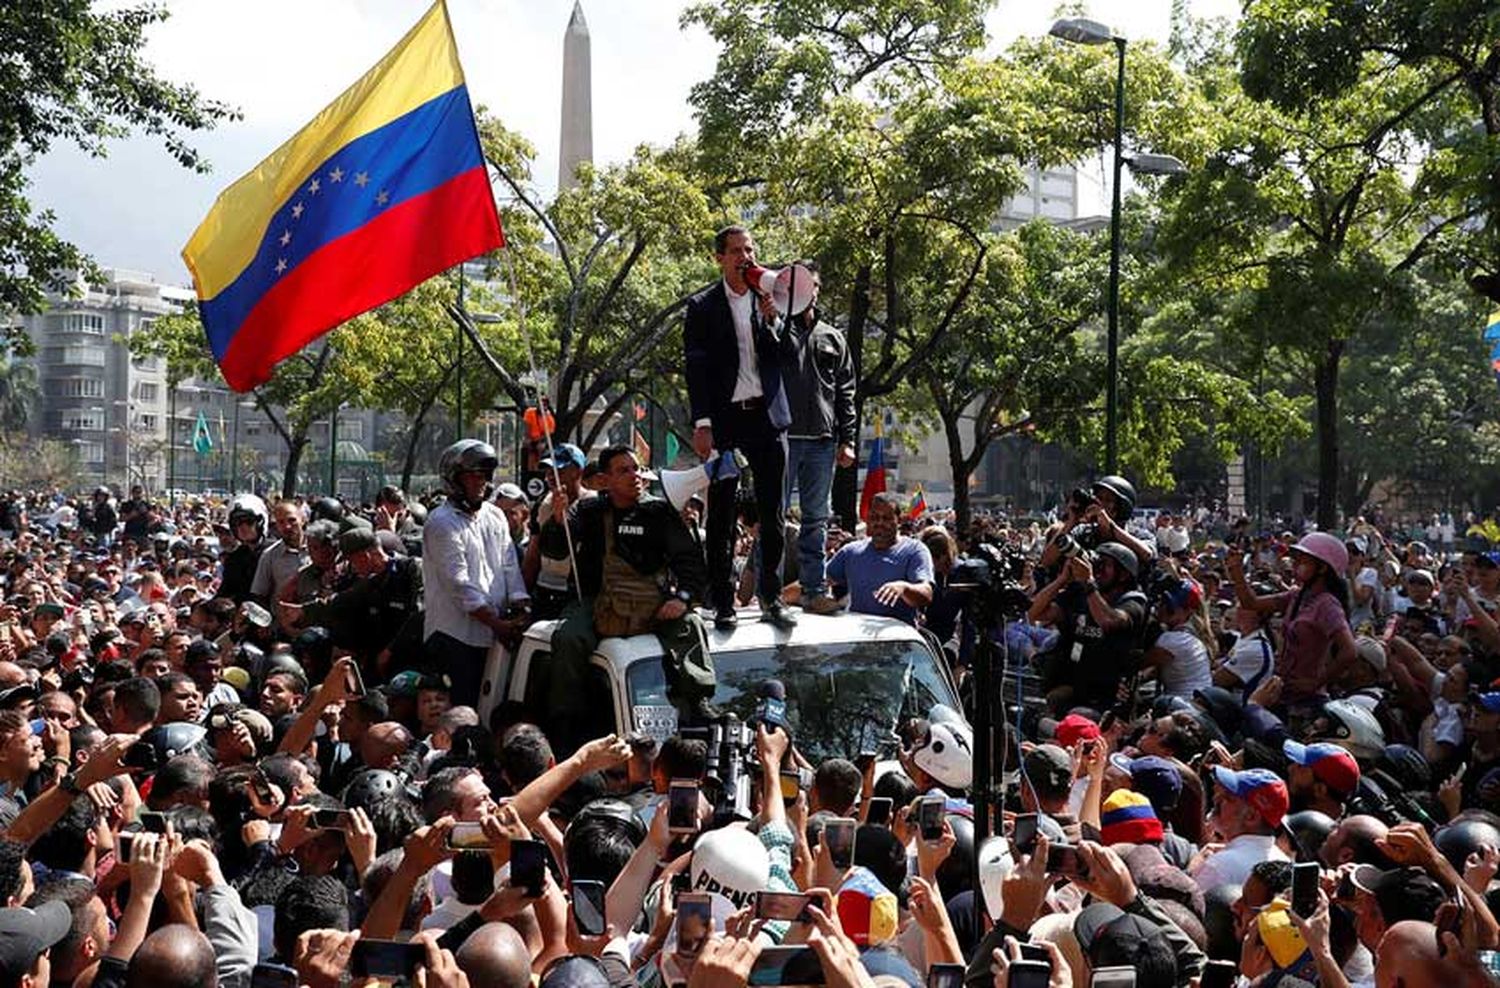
[577, 142]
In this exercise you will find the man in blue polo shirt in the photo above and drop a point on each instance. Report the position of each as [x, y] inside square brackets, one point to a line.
[887, 573]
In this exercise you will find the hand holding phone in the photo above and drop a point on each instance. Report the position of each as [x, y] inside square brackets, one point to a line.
[1306, 878]
[588, 907]
[682, 806]
[528, 866]
[838, 836]
[930, 817]
[386, 959]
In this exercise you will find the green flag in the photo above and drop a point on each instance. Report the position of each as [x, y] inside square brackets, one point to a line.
[203, 442]
[671, 448]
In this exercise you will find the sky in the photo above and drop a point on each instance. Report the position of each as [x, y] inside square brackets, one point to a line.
[280, 61]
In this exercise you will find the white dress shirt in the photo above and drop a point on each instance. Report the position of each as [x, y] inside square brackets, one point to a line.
[467, 563]
[747, 382]
[1231, 866]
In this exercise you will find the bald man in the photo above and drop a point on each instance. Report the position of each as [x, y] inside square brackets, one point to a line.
[1354, 839]
[1408, 957]
[384, 743]
[496, 955]
[175, 956]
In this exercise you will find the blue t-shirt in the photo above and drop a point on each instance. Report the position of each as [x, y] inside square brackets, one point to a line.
[864, 569]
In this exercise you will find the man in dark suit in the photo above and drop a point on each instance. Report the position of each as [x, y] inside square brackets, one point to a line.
[735, 351]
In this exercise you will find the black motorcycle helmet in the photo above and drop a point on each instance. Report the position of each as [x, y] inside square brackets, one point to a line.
[1121, 557]
[956, 874]
[1406, 765]
[1123, 493]
[1308, 829]
[370, 786]
[1465, 836]
[1224, 707]
[327, 509]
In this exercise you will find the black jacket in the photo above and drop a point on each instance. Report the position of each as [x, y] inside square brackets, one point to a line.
[712, 355]
[650, 537]
[820, 382]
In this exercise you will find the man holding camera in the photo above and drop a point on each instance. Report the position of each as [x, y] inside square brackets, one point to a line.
[639, 570]
[1099, 615]
[1094, 517]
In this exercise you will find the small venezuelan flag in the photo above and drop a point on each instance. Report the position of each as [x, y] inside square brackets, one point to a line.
[383, 189]
[918, 506]
[874, 473]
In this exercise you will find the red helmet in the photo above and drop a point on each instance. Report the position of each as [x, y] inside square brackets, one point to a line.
[1325, 548]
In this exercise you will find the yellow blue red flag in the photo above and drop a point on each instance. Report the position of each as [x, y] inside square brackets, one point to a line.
[381, 190]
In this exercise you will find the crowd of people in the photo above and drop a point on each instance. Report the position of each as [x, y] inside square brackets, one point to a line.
[241, 744]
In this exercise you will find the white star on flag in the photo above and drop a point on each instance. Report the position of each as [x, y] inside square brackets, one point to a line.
[297, 211]
[280, 265]
[314, 187]
[286, 237]
[337, 175]
[361, 179]
[382, 197]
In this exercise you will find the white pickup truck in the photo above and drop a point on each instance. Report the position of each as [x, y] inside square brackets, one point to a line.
[849, 678]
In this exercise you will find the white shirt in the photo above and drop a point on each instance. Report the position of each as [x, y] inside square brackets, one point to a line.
[277, 565]
[467, 563]
[747, 382]
[1187, 670]
[1251, 659]
[1232, 865]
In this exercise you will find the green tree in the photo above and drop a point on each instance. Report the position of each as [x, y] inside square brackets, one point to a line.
[1441, 64]
[74, 73]
[19, 393]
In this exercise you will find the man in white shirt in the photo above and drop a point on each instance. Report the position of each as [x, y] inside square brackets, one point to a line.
[280, 562]
[473, 593]
[1247, 809]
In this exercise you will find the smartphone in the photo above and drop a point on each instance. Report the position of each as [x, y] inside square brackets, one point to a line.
[528, 865]
[1113, 977]
[786, 966]
[330, 820]
[1219, 974]
[695, 923]
[682, 806]
[1023, 835]
[386, 959]
[930, 817]
[1029, 974]
[789, 906]
[864, 760]
[468, 837]
[1036, 952]
[140, 755]
[1305, 879]
[153, 822]
[1063, 859]
[123, 845]
[838, 834]
[588, 907]
[354, 681]
[263, 791]
[880, 812]
[682, 883]
[273, 976]
[791, 785]
[945, 976]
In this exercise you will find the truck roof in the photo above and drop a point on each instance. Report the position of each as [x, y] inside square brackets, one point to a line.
[811, 629]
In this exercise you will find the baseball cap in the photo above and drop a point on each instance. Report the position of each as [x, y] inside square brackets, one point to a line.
[25, 933]
[1152, 776]
[50, 609]
[565, 455]
[17, 694]
[1282, 939]
[1073, 729]
[1048, 767]
[1111, 937]
[1489, 701]
[1372, 650]
[1185, 595]
[867, 909]
[509, 492]
[1260, 787]
[1401, 893]
[1332, 764]
[1489, 560]
[1127, 818]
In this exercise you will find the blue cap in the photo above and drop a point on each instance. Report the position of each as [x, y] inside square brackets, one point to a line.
[1154, 777]
[1489, 701]
[566, 455]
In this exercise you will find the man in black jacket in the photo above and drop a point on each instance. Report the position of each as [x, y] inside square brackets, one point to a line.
[820, 388]
[734, 354]
[639, 570]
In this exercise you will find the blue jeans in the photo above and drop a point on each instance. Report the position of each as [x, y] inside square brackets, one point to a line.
[809, 469]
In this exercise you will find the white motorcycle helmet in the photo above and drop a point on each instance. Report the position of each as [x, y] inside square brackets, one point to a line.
[1352, 726]
[947, 752]
[248, 507]
[995, 866]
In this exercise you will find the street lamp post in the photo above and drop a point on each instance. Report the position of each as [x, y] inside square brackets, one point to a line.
[1082, 31]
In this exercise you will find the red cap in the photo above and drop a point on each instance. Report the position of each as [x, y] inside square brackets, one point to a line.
[1073, 729]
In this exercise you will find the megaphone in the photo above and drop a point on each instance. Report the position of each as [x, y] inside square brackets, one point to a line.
[680, 485]
[790, 288]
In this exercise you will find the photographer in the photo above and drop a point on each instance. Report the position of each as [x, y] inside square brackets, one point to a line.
[1094, 517]
[1099, 616]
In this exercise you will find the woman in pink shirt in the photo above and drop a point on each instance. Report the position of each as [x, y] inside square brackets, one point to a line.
[1317, 644]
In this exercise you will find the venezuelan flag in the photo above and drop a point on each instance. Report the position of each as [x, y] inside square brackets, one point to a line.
[1492, 327]
[918, 506]
[383, 189]
[874, 473]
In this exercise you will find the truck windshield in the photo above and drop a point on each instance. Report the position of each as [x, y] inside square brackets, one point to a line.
[842, 698]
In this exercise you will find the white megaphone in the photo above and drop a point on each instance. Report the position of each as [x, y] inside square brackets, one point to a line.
[790, 288]
[680, 485]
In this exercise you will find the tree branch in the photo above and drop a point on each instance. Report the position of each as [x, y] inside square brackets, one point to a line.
[542, 217]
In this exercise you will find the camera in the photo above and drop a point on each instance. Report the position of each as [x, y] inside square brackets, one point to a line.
[992, 575]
